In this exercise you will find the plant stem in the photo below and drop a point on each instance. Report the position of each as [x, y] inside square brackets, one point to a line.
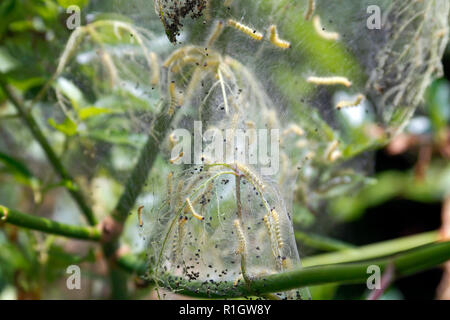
[51, 155]
[371, 251]
[142, 169]
[48, 226]
[133, 187]
[405, 264]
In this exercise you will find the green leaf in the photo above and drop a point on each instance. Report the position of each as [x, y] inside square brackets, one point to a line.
[68, 127]
[67, 3]
[90, 112]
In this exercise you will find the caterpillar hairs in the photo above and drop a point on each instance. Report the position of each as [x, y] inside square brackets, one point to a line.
[246, 30]
[242, 248]
[250, 175]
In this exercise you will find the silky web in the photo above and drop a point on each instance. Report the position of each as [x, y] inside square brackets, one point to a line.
[334, 89]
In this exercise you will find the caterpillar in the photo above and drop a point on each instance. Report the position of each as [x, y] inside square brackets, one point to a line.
[276, 219]
[141, 223]
[311, 8]
[175, 159]
[250, 175]
[173, 98]
[332, 153]
[244, 29]
[321, 31]
[348, 104]
[329, 81]
[216, 33]
[295, 129]
[191, 209]
[242, 248]
[155, 68]
[275, 40]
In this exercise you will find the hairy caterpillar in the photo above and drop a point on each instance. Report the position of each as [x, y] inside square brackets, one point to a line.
[250, 175]
[190, 208]
[216, 33]
[276, 219]
[169, 183]
[242, 248]
[173, 98]
[321, 31]
[244, 29]
[275, 40]
[329, 81]
[348, 104]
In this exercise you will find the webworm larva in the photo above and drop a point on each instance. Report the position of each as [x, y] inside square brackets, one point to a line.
[141, 223]
[216, 33]
[311, 8]
[275, 40]
[155, 68]
[332, 153]
[244, 29]
[276, 219]
[242, 248]
[173, 98]
[191, 209]
[330, 81]
[295, 129]
[173, 160]
[321, 30]
[251, 176]
[349, 104]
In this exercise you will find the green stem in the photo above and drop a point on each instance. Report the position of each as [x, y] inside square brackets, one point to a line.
[48, 226]
[376, 250]
[140, 173]
[51, 155]
[405, 264]
[321, 242]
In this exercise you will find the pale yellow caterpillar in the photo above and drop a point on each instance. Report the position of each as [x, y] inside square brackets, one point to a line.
[349, 104]
[321, 30]
[141, 223]
[295, 129]
[155, 68]
[173, 98]
[173, 160]
[242, 248]
[251, 176]
[190, 208]
[244, 29]
[275, 40]
[216, 33]
[330, 81]
[276, 219]
[311, 8]
[332, 153]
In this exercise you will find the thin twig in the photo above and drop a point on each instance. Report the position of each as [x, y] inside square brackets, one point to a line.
[51, 155]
